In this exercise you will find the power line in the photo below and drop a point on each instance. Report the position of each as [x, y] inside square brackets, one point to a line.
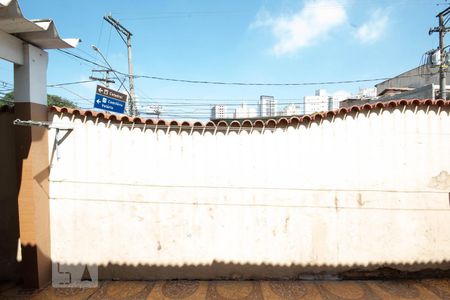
[68, 83]
[243, 83]
[76, 94]
[5, 84]
[260, 84]
[83, 59]
[273, 84]
[222, 101]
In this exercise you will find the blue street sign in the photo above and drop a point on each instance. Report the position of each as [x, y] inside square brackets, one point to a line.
[109, 104]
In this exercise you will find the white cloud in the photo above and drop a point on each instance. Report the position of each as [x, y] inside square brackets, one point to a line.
[305, 27]
[373, 29]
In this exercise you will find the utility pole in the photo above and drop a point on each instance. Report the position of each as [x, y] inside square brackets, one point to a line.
[443, 67]
[106, 79]
[125, 35]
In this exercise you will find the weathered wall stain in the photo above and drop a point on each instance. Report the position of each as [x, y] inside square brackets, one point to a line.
[360, 200]
[441, 181]
[286, 224]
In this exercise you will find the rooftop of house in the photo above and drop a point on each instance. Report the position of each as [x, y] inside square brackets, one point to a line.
[395, 90]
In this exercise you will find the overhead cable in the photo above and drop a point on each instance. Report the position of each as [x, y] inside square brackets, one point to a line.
[242, 83]
[68, 83]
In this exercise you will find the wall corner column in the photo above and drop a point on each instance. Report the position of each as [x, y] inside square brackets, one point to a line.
[30, 94]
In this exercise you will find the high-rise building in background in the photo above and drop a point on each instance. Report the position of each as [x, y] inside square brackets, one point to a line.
[316, 103]
[335, 100]
[290, 110]
[267, 106]
[219, 112]
[244, 111]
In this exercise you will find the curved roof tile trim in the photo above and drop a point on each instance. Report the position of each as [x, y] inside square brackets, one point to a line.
[282, 122]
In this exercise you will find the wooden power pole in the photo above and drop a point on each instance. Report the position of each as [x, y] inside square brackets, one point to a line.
[125, 35]
[443, 67]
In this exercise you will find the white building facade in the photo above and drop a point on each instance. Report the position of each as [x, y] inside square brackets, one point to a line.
[290, 110]
[267, 106]
[316, 103]
[219, 112]
[244, 111]
[335, 100]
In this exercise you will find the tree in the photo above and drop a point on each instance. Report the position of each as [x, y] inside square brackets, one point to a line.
[52, 100]
[8, 99]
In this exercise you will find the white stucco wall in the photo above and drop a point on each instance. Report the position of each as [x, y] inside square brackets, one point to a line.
[353, 191]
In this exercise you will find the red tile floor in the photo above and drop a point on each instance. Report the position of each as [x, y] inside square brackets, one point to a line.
[398, 289]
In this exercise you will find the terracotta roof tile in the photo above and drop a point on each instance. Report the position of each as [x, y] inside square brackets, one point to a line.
[294, 121]
[150, 122]
[210, 124]
[126, 119]
[175, 123]
[282, 122]
[367, 106]
[271, 123]
[138, 120]
[403, 102]
[306, 118]
[258, 124]
[343, 110]
[222, 124]
[235, 124]
[247, 124]
[161, 123]
[101, 115]
[316, 117]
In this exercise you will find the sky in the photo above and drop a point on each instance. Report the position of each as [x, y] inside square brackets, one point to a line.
[266, 41]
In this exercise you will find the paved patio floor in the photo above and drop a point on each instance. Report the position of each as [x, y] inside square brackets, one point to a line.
[400, 289]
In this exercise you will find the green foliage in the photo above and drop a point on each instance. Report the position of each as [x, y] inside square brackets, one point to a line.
[55, 100]
[8, 99]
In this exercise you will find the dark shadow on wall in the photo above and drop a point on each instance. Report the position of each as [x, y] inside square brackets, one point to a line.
[15, 145]
[324, 288]
[247, 271]
[31, 148]
[91, 273]
[9, 214]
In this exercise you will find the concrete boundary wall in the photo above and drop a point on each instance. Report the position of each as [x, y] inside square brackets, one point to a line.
[358, 190]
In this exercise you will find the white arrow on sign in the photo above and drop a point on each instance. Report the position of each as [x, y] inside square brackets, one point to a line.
[98, 101]
[100, 90]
